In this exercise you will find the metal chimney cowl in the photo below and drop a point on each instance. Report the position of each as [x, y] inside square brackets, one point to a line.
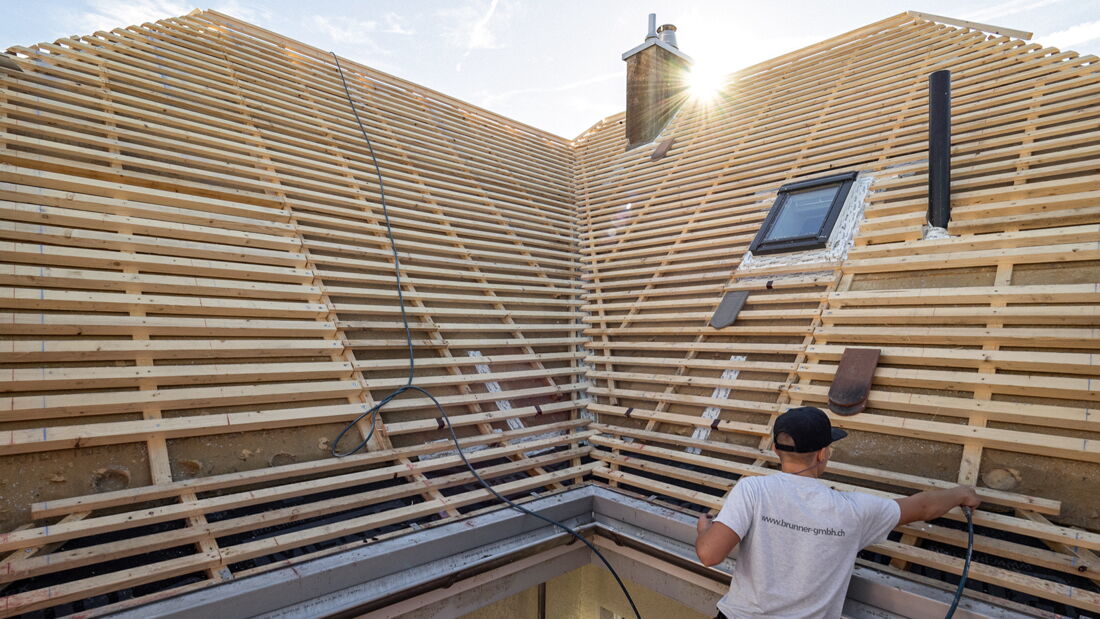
[656, 81]
[667, 33]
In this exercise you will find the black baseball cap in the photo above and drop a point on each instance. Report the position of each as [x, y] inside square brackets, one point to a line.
[809, 427]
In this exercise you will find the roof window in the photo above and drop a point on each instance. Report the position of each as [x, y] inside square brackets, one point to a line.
[803, 215]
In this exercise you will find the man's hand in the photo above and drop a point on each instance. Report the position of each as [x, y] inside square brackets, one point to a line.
[714, 540]
[968, 497]
[704, 523]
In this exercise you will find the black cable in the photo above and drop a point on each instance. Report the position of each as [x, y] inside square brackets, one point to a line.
[966, 566]
[409, 386]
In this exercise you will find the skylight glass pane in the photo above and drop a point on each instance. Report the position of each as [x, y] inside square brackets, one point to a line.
[803, 213]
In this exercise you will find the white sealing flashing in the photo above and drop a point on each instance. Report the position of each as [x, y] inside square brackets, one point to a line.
[932, 233]
[836, 249]
[658, 43]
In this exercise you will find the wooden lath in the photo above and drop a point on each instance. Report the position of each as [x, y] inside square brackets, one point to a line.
[198, 285]
[987, 337]
[198, 293]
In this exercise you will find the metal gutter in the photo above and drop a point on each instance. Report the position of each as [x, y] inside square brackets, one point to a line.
[463, 565]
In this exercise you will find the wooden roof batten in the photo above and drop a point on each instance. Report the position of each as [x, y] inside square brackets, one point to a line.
[197, 294]
[659, 261]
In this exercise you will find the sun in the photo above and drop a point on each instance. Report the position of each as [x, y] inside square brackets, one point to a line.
[705, 82]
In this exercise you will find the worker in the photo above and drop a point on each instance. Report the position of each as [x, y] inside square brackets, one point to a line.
[798, 537]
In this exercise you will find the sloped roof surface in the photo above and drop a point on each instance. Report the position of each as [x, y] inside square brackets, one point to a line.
[200, 294]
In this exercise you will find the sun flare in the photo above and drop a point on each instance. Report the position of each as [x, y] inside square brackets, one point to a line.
[705, 82]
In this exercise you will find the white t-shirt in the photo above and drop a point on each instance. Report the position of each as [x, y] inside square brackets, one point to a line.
[799, 540]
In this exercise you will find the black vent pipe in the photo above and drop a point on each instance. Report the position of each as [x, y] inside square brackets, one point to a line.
[939, 148]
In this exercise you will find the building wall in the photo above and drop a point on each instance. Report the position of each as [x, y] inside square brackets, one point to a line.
[587, 593]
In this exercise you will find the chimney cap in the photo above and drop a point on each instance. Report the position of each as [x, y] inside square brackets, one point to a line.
[665, 37]
[667, 33]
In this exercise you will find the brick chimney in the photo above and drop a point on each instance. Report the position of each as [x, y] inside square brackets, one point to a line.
[656, 83]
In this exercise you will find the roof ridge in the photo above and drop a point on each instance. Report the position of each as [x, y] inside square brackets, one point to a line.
[1019, 34]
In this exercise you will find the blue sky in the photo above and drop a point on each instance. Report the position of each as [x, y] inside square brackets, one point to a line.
[553, 64]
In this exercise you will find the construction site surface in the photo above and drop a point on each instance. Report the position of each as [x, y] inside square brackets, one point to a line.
[198, 295]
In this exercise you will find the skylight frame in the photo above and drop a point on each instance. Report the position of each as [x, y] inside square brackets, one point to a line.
[761, 244]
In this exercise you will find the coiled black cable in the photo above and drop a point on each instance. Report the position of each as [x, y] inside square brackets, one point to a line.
[966, 566]
[409, 386]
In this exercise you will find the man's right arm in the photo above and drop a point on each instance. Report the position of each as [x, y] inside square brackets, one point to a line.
[932, 504]
[714, 541]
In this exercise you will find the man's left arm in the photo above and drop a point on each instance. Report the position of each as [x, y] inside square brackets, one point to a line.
[714, 541]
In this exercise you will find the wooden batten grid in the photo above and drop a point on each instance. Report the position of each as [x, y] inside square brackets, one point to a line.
[195, 251]
[987, 337]
[199, 293]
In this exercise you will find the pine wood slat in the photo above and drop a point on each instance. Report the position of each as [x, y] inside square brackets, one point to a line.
[1037, 294]
[894, 478]
[197, 102]
[478, 342]
[82, 404]
[447, 280]
[42, 598]
[981, 517]
[381, 266]
[1067, 447]
[925, 531]
[166, 127]
[1043, 415]
[63, 181]
[75, 300]
[1023, 185]
[130, 519]
[38, 254]
[696, 420]
[1035, 586]
[48, 509]
[967, 336]
[497, 260]
[36, 212]
[358, 233]
[24, 201]
[101, 377]
[1029, 315]
[190, 223]
[1068, 253]
[100, 350]
[95, 324]
[138, 545]
[763, 366]
[694, 381]
[1069, 363]
[33, 277]
[109, 433]
[1065, 233]
[373, 293]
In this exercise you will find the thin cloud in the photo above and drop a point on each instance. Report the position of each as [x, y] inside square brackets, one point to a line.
[394, 24]
[345, 29]
[111, 14]
[481, 35]
[496, 98]
[1074, 35]
[472, 27]
[1005, 9]
[238, 10]
[349, 31]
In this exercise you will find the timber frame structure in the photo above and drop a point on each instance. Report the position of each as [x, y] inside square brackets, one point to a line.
[199, 294]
